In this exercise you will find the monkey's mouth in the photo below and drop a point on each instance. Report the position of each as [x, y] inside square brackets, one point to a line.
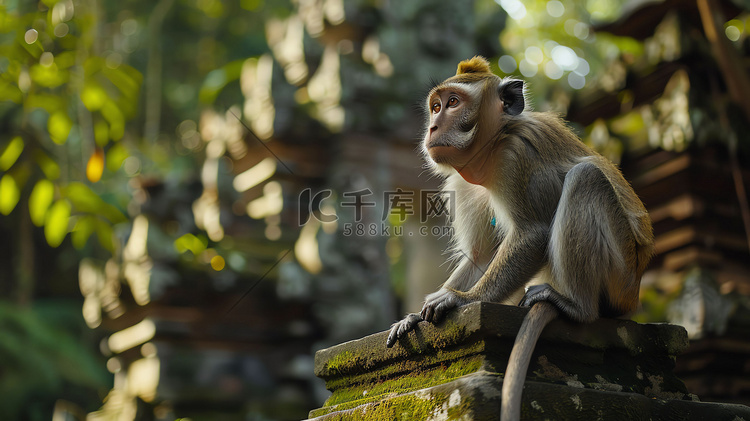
[443, 148]
[437, 143]
[442, 142]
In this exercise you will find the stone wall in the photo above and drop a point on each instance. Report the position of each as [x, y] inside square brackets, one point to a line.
[609, 369]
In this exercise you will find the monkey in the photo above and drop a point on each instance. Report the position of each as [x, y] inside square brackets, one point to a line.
[538, 215]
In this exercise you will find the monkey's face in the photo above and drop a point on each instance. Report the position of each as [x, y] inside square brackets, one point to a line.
[465, 118]
[452, 120]
[455, 132]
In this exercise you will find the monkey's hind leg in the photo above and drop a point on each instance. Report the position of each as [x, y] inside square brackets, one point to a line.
[590, 238]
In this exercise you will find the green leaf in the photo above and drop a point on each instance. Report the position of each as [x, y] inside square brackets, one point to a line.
[82, 230]
[86, 200]
[49, 167]
[48, 76]
[39, 201]
[50, 103]
[93, 96]
[628, 124]
[83, 198]
[11, 153]
[115, 156]
[101, 133]
[9, 194]
[190, 242]
[128, 83]
[10, 92]
[56, 222]
[65, 59]
[116, 120]
[59, 126]
[217, 79]
[104, 234]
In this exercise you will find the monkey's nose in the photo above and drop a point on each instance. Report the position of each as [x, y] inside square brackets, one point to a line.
[433, 128]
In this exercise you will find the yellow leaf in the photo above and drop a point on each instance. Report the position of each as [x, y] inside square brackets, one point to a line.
[59, 126]
[95, 166]
[11, 153]
[190, 242]
[56, 222]
[93, 96]
[39, 201]
[9, 194]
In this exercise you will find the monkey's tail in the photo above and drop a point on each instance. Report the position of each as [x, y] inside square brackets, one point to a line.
[537, 318]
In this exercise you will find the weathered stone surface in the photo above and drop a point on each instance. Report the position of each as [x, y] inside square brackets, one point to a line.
[609, 370]
[465, 355]
[477, 397]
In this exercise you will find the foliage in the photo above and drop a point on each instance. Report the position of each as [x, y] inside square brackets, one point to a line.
[106, 114]
[47, 354]
[64, 110]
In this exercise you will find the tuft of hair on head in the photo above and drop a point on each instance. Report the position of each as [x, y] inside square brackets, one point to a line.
[476, 64]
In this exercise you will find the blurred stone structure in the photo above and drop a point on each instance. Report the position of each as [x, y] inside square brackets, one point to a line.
[686, 155]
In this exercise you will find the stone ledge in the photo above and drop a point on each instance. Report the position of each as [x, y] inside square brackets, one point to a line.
[610, 355]
[477, 397]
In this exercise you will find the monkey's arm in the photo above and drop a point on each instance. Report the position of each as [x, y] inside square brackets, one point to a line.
[520, 256]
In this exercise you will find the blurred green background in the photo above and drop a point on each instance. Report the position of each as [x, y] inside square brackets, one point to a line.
[164, 242]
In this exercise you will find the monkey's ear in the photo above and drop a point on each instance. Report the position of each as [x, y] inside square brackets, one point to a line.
[511, 93]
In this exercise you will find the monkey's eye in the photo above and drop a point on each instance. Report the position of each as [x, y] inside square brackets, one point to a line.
[436, 107]
[452, 101]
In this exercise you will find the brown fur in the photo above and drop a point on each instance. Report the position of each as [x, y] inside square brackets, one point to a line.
[565, 215]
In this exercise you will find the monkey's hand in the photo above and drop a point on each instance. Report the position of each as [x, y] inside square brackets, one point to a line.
[401, 328]
[439, 302]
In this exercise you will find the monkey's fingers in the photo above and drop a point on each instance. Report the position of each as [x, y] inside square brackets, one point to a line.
[402, 327]
[437, 305]
[427, 312]
[441, 309]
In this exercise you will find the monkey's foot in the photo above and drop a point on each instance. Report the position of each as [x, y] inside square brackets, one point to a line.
[545, 292]
[401, 328]
[536, 293]
[439, 302]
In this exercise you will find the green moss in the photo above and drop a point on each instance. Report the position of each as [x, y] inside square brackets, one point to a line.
[406, 407]
[394, 369]
[428, 340]
[352, 396]
[344, 362]
[450, 334]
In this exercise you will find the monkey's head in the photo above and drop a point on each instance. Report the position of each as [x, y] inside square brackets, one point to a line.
[466, 113]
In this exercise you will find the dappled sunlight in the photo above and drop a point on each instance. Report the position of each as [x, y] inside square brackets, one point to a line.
[306, 248]
[132, 336]
[257, 174]
[285, 38]
[213, 176]
[270, 203]
[324, 89]
[255, 82]
[137, 264]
